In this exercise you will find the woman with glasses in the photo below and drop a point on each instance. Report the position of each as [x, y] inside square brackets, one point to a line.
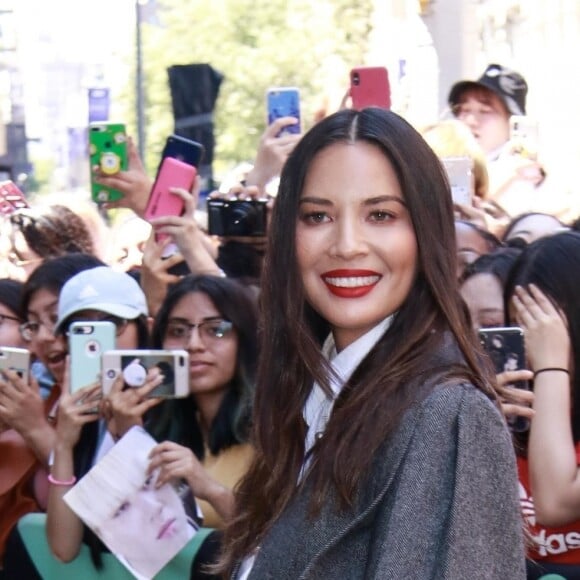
[22, 407]
[205, 435]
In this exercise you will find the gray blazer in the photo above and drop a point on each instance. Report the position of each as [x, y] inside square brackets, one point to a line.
[441, 501]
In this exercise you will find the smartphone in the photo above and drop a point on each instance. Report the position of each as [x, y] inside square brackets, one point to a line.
[370, 87]
[108, 152]
[183, 149]
[524, 136]
[284, 102]
[460, 175]
[87, 343]
[11, 198]
[172, 173]
[16, 359]
[133, 365]
[506, 349]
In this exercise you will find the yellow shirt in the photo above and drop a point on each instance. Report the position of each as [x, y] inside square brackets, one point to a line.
[226, 468]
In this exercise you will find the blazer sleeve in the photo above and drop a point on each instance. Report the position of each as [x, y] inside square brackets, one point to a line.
[453, 512]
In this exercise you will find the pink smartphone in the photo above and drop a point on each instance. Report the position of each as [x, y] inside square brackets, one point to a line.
[11, 198]
[370, 87]
[172, 173]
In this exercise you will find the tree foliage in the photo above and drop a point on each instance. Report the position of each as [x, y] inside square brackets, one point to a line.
[256, 44]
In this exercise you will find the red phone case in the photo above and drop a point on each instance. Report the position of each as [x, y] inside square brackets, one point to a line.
[370, 87]
[11, 198]
[173, 173]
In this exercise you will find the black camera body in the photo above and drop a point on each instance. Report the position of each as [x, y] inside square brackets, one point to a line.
[240, 217]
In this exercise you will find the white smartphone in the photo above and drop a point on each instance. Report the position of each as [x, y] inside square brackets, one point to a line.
[460, 175]
[524, 136]
[133, 365]
[15, 359]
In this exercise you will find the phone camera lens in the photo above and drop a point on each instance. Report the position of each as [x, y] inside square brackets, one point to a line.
[111, 374]
[356, 79]
[181, 361]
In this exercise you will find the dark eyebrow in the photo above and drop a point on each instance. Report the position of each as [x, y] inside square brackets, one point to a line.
[316, 200]
[370, 201]
[185, 321]
[382, 199]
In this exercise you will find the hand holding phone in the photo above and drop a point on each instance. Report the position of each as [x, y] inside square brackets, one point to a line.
[284, 102]
[506, 349]
[134, 365]
[87, 343]
[108, 155]
[17, 360]
[370, 87]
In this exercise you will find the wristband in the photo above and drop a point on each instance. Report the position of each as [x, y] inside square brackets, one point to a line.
[62, 482]
[550, 370]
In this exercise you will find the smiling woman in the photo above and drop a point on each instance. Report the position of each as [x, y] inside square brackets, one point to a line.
[374, 423]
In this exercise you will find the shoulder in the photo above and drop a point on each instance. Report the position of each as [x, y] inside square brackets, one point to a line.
[453, 408]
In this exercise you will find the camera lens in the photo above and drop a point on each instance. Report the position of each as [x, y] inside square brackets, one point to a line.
[111, 374]
[356, 79]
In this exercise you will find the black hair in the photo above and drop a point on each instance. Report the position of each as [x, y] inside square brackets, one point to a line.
[499, 263]
[10, 294]
[553, 265]
[519, 242]
[176, 419]
[53, 274]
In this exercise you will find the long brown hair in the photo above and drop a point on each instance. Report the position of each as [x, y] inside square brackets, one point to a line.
[371, 403]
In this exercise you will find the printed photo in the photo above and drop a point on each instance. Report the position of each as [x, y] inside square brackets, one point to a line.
[143, 526]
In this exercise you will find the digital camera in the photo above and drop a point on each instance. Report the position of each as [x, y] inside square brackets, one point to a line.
[236, 217]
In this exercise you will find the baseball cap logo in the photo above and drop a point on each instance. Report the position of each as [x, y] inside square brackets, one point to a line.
[88, 291]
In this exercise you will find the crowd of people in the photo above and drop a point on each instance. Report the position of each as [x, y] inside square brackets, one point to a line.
[343, 419]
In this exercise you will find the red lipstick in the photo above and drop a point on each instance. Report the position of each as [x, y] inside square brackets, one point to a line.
[350, 283]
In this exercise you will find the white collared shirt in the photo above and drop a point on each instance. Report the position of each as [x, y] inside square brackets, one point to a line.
[319, 405]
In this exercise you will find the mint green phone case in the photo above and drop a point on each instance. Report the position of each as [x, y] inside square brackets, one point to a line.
[87, 343]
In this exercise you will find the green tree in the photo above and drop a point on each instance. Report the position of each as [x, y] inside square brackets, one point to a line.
[256, 44]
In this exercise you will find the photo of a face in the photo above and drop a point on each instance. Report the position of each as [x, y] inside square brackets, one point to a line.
[144, 526]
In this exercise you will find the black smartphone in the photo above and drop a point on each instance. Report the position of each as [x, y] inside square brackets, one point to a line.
[506, 349]
[183, 149]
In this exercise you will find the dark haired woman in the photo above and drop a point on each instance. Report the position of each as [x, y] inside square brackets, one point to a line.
[204, 437]
[528, 227]
[472, 242]
[544, 302]
[380, 450]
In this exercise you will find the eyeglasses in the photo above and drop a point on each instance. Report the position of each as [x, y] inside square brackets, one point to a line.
[210, 330]
[120, 323]
[481, 114]
[31, 328]
[4, 317]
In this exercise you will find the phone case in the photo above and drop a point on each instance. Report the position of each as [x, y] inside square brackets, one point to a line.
[284, 102]
[524, 136]
[506, 349]
[460, 175]
[17, 359]
[11, 198]
[108, 151]
[134, 365]
[186, 150]
[87, 343]
[173, 173]
[370, 87]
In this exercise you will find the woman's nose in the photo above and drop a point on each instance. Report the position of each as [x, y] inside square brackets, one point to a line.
[350, 240]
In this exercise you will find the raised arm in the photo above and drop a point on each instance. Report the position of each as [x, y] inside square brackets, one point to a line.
[554, 473]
